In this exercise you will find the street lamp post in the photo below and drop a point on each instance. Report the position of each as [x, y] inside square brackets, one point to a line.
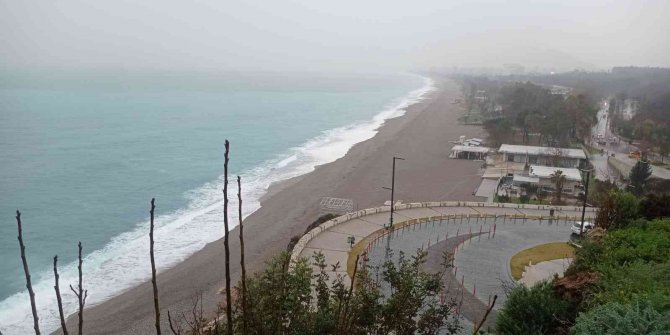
[586, 194]
[389, 228]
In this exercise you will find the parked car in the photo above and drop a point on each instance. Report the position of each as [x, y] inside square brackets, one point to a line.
[576, 228]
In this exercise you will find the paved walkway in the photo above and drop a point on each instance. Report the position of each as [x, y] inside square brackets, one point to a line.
[485, 263]
[483, 236]
[332, 241]
[544, 270]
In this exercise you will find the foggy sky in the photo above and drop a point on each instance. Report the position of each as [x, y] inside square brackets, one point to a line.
[316, 35]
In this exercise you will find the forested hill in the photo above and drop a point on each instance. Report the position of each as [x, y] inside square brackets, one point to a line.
[635, 82]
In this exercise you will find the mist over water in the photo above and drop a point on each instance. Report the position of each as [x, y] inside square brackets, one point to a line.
[83, 161]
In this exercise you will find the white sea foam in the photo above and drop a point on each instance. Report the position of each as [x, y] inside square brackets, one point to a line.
[122, 263]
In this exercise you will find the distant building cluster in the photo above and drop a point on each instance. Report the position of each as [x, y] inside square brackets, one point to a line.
[518, 170]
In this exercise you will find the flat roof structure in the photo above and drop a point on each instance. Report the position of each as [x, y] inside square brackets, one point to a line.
[525, 179]
[469, 152]
[546, 172]
[467, 148]
[542, 151]
[487, 189]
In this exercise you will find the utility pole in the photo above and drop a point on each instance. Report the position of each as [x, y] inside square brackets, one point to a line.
[586, 194]
[389, 228]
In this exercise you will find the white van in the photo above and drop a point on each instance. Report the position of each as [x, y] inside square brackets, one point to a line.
[577, 227]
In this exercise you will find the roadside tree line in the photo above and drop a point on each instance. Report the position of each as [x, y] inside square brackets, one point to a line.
[532, 114]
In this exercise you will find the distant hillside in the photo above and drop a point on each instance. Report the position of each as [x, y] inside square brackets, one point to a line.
[635, 82]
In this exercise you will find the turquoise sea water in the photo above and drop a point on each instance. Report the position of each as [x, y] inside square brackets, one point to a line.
[82, 155]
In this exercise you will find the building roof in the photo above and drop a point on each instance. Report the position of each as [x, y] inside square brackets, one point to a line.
[542, 151]
[466, 148]
[546, 172]
[525, 179]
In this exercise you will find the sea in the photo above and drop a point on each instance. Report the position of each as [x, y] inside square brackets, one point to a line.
[82, 155]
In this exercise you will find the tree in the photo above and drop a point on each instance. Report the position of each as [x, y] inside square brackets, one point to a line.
[499, 130]
[229, 305]
[662, 140]
[302, 301]
[412, 306]
[639, 177]
[80, 293]
[655, 206]
[63, 326]
[582, 115]
[644, 130]
[558, 178]
[534, 310]
[154, 284]
[242, 265]
[616, 209]
[29, 285]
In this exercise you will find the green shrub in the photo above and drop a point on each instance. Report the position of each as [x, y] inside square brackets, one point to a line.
[646, 242]
[634, 263]
[619, 319]
[636, 281]
[308, 300]
[534, 310]
[524, 199]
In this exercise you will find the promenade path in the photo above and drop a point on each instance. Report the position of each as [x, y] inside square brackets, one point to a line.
[331, 238]
[484, 236]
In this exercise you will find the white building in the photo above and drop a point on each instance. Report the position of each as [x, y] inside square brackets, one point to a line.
[541, 177]
[547, 156]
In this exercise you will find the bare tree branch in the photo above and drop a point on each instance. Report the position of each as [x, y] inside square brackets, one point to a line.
[486, 315]
[229, 310]
[80, 293]
[153, 268]
[342, 328]
[29, 285]
[244, 270]
[58, 298]
[174, 331]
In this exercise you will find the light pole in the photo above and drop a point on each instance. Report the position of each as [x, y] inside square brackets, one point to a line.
[389, 228]
[586, 194]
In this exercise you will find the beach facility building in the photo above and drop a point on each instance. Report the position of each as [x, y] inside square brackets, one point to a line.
[469, 152]
[540, 176]
[547, 156]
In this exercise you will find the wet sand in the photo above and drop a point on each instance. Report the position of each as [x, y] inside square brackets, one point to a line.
[422, 136]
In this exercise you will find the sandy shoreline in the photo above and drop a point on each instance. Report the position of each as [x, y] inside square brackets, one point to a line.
[421, 136]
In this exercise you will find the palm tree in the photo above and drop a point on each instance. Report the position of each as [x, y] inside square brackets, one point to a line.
[558, 178]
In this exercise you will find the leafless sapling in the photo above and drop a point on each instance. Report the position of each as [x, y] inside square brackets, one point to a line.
[81, 294]
[229, 310]
[153, 267]
[488, 310]
[342, 328]
[244, 271]
[172, 327]
[58, 298]
[29, 285]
